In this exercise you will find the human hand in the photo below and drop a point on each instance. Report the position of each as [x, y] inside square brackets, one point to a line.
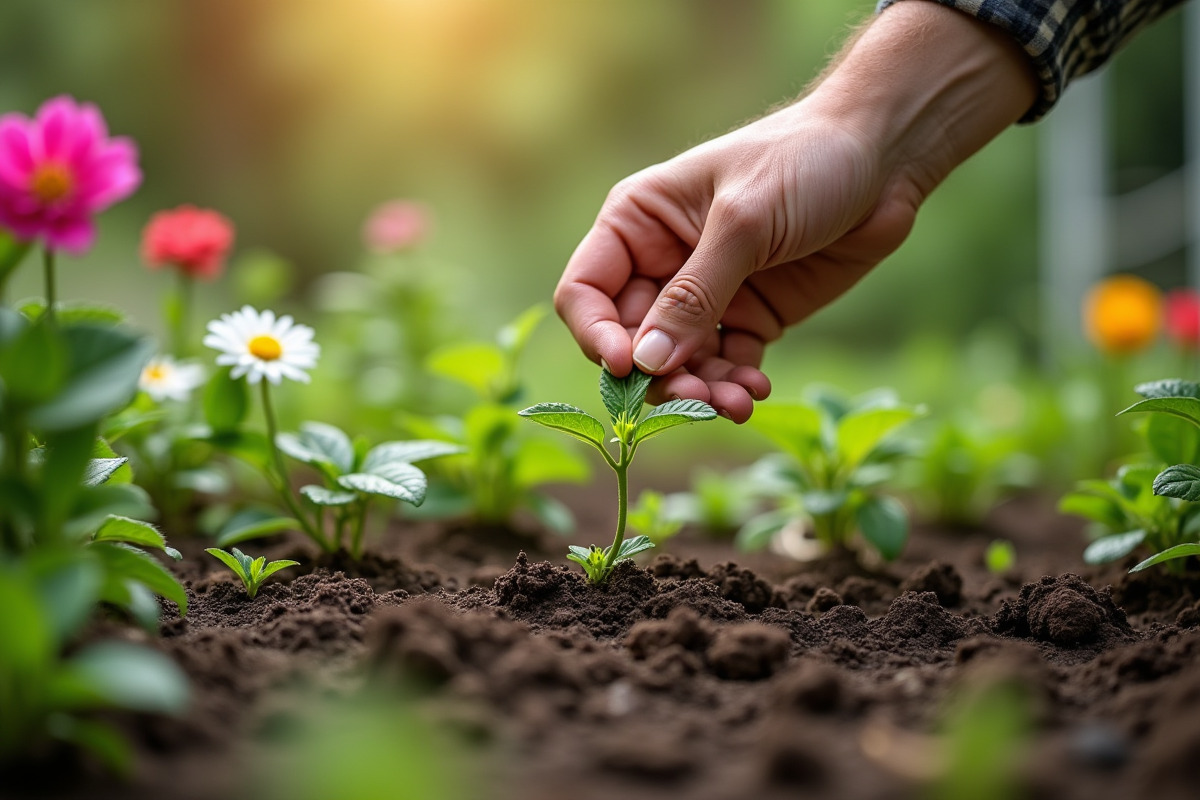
[693, 266]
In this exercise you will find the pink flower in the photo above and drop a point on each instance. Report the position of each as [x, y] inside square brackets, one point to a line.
[1182, 309]
[195, 240]
[58, 170]
[395, 226]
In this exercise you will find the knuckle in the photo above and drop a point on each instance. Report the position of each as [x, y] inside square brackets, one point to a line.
[687, 301]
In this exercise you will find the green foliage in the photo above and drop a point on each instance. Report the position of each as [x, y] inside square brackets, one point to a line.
[49, 688]
[624, 399]
[840, 451]
[654, 517]
[1150, 504]
[252, 571]
[352, 476]
[1000, 556]
[503, 468]
[985, 732]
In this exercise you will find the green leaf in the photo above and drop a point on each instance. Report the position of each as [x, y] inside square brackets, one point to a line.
[104, 365]
[275, 566]
[823, 501]
[884, 523]
[1110, 548]
[671, 414]
[12, 252]
[249, 446]
[1181, 481]
[34, 365]
[514, 336]
[758, 532]
[555, 515]
[320, 496]
[68, 586]
[1099, 509]
[319, 444]
[409, 452]
[631, 547]
[76, 313]
[859, 432]
[94, 505]
[568, 419]
[624, 397]
[100, 739]
[127, 563]
[479, 365]
[131, 677]
[226, 402]
[537, 461]
[99, 470]
[1178, 551]
[233, 562]
[131, 531]
[1000, 556]
[1172, 387]
[1172, 439]
[796, 429]
[130, 420]
[1183, 407]
[396, 480]
[253, 523]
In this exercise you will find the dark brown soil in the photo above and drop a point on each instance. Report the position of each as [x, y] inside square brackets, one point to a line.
[699, 674]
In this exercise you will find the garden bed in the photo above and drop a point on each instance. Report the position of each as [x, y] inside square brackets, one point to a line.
[703, 674]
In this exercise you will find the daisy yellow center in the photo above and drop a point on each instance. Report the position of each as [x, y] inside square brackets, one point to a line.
[266, 348]
[155, 373]
[51, 182]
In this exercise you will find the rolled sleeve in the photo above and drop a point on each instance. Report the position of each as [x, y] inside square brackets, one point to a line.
[1064, 38]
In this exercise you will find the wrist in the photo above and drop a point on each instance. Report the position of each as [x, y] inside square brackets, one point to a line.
[925, 86]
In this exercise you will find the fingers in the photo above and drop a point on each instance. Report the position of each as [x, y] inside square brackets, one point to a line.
[686, 312]
[595, 274]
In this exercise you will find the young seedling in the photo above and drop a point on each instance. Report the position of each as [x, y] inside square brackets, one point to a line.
[654, 517]
[252, 571]
[623, 398]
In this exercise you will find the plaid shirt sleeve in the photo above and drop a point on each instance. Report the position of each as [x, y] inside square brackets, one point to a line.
[1064, 38]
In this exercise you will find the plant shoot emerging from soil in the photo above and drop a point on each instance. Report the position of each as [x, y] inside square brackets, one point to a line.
[623, 398]
[252, 571]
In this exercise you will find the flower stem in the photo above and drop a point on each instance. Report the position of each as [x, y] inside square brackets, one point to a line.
[183, 315]
[360, 524]
[51, 283]
[282, 476]
[621, 467]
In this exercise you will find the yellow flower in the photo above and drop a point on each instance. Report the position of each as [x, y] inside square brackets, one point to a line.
[1122, 314]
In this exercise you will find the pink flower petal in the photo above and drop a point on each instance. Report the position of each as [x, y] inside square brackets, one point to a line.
[16, 159]
[53, 128]
[74, 236]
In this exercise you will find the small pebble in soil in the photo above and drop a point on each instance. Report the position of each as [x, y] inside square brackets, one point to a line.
[1098, 746]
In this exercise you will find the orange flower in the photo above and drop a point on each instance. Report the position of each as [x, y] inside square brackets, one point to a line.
[1122, 314]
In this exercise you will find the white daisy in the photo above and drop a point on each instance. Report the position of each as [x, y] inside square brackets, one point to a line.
[164, 378]
[258, 345]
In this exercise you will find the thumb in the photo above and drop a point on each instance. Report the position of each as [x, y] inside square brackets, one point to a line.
[687, 310]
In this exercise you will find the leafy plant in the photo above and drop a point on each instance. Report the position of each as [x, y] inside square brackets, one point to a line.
[502, 468]
[965, 469]
[654, 518]
[1150, 504]
[623, 398]
[252, 571]
[49, 687]
[1000, 556]
[839, 453]
[720, 503]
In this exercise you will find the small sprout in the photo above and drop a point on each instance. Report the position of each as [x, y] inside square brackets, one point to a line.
[652, 515]
[252, 571]
[623, 398]
[1000, 556]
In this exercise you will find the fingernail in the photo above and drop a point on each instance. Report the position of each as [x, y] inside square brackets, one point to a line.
[653, 350]
[604, 364]
[753, 394]
[725, 414]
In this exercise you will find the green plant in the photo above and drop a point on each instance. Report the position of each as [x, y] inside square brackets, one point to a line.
[653, 517]
[840, 451]
[623, 398]
[252, 571]
[720, 503]
[1150, 503]
[50, 685]
[502, 469]
[1000, 556]
[965, 469]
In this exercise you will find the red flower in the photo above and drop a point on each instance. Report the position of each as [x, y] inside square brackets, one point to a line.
[1182, 308]
[194, 240]
[395, 226]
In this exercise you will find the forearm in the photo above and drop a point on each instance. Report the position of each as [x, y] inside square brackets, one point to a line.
[924, 87]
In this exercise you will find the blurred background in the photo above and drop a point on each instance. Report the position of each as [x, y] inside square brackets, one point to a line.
[510, 121]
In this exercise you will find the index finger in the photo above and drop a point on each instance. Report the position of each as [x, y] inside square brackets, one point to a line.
[596, 272]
